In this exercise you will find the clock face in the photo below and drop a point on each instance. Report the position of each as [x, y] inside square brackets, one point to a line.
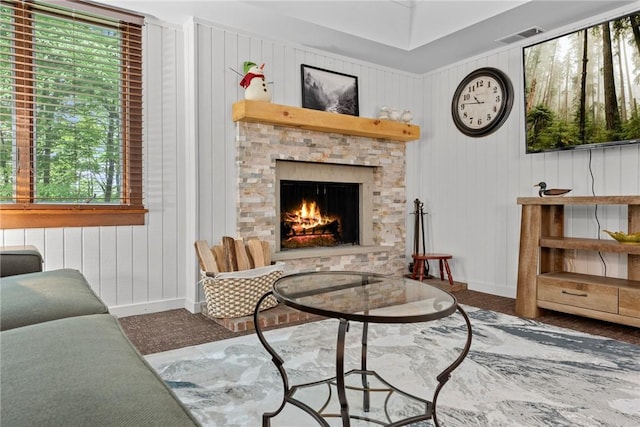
[482, 102]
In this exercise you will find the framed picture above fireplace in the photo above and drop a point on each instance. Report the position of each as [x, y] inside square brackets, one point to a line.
[327, 90]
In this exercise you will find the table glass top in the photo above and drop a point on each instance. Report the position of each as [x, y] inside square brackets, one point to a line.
[364, 297]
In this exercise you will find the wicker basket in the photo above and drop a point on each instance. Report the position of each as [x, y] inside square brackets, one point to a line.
[235, 294]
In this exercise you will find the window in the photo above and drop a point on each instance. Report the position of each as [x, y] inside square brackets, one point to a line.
[70, 115]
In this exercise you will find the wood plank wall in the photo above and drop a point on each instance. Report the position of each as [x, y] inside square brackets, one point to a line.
[136, 269]
[218, 88]
[469, 186]
[190, 161]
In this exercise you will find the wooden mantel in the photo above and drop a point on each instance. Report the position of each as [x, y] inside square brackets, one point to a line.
[322, 121]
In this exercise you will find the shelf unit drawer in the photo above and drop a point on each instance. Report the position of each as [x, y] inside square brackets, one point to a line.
[577, 290]
[630, 302]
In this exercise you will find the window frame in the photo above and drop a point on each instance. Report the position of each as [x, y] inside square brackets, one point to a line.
[25, 211]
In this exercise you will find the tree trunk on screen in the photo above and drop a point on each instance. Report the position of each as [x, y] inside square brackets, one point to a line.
[583, 89]
[612, 115]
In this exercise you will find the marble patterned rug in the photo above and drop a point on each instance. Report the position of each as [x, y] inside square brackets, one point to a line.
[519, 372]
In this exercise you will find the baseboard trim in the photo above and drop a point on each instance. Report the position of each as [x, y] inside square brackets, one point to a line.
[491, 288]
[154, 307]
[193, 306]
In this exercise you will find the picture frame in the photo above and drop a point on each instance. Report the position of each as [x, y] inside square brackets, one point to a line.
[327, 90]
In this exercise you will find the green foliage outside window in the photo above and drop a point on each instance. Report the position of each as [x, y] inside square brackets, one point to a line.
[76, 134]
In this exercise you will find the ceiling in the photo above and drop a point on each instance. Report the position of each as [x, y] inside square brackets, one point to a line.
[415, 36]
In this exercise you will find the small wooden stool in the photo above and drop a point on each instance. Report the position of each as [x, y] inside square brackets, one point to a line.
[419, 267]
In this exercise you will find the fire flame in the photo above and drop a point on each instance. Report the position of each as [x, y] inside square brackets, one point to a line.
[306, 226]
[309, 215]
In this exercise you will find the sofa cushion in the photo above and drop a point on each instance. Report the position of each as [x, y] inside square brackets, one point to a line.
[31, 298]
[19, 260]
[81, 371]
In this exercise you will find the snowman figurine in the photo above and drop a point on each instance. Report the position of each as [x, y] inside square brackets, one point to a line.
[254, 84]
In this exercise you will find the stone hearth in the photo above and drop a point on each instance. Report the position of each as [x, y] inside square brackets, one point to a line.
[278, 315]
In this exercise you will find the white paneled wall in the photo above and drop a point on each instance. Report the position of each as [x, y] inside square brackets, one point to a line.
[469, 185]
[219, 50]
[190, 185]
[136, 269]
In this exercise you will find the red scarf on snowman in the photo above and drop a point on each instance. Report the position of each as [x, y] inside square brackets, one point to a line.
[246, 80]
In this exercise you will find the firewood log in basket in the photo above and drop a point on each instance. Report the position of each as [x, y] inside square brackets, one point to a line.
[235, 293]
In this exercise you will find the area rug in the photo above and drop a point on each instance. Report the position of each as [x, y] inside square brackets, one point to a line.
[519, 372]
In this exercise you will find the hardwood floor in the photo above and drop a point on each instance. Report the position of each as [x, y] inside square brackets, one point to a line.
[168, 330]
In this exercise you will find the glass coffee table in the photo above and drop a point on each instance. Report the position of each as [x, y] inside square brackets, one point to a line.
[365, 298]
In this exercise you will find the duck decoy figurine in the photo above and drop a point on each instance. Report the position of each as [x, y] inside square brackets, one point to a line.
[544, 191]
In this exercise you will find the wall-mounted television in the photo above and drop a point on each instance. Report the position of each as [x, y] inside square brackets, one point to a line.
[582, 89]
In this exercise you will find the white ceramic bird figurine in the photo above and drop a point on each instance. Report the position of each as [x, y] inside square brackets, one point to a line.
[254, 84]
[407, 116]
[544, 191]
[384, 112]
[394, 114]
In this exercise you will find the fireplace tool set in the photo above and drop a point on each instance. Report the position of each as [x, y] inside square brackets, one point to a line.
[418, 231]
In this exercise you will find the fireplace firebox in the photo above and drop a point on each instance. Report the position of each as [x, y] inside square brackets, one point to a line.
[318, 214]
[322, 208]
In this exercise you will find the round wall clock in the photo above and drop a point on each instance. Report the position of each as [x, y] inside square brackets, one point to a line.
[482, 102]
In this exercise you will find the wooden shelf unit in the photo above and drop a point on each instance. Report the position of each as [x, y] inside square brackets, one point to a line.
[542, 283]
[323, 121]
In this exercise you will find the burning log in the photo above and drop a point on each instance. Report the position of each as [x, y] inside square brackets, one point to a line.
[295, 229]
[311, 240]
[330, 227]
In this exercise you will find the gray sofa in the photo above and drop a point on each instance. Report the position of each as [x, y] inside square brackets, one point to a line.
[64, 360]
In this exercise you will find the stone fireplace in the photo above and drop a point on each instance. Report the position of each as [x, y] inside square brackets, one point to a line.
[269, 156]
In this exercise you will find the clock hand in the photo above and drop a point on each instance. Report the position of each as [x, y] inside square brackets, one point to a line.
[479, 102]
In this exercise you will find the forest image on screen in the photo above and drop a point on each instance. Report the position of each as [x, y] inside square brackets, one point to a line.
[582, 89]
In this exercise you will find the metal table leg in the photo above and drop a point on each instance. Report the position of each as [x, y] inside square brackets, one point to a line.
[366, 404]
[287, 391]
[446, 374]
[275, 358]
[342, 393]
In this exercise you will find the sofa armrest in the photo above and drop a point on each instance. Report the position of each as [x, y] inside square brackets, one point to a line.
[19, 260]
